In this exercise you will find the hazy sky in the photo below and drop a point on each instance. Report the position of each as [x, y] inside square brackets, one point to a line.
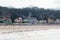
[26, 3]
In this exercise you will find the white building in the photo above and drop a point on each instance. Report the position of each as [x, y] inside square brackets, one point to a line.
[31, 20]
[57, 20]
[42, 21]
[18, 20]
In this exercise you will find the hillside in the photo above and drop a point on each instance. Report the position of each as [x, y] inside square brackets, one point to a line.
[38, 13]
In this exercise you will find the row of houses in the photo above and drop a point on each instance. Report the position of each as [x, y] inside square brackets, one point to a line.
[35, 21]
[32, 20]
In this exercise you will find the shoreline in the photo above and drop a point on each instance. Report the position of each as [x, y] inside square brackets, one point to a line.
[28, 27]
[22, 28]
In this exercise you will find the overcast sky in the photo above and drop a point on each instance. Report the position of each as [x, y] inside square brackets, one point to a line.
[27, 3]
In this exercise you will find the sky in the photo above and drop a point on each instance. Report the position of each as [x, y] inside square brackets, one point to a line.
[30, 3]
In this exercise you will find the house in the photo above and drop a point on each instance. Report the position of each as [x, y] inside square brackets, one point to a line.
[57, 20]
[42, 21]
[7, 21]
[30, 20]
[5, 18]
[18, 20]
[26, 20]
[50, 20]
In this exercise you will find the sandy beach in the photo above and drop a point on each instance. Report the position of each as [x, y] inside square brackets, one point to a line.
[29, 27]
[30, 32]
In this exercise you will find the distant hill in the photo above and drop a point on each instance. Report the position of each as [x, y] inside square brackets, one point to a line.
[57, 8]
[38, 13]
